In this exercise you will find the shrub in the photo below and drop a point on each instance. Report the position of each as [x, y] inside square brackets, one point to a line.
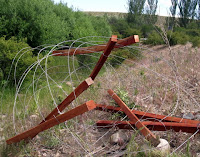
[177, 38]
[43, 22]
[123, 94]
[118, 25]
[146, 30]
[193, 25]
[88, 60]
[154, 39]
[132, 31]
[8, 51]
[193, 32]
[195, 41]
[119, 55]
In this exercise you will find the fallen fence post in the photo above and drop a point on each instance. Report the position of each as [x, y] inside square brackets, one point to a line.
[29, 134]
[148, 116]
[85, 50]
[156, 126]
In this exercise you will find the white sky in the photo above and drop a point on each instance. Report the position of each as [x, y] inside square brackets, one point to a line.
[111, 5]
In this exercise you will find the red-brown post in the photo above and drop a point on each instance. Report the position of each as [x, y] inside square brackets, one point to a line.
[149, 116]
[104, 56]
[73, 95]
[156, 126]
[90, 105]
[85, 50]
[142, 128]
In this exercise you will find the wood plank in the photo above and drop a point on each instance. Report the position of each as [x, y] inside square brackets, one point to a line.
[156, 126]
[139, 125]
[163, 126]
[148, 116]
[86, 50]
[104, 56]
[52, 122]
[71, 97]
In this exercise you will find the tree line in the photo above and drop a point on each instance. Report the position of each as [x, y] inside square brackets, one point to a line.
[185, 10]
[181, 25]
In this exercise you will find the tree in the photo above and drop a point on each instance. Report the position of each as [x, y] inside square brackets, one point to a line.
[135, 11]
[198, 11]
[187, 10]
[172, 9]
[151, 10]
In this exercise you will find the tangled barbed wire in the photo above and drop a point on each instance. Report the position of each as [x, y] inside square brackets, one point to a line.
[156, 80]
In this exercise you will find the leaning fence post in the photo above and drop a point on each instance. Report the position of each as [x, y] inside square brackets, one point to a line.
[90, 105]
[104, 56]
[140, 126]
[72, 96]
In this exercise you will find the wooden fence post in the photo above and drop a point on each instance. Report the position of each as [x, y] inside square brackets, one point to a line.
[73, 95]
[97, 48]
[148, 116]
[156, 126]
[104, 56]
[140, 126]
[29, 134]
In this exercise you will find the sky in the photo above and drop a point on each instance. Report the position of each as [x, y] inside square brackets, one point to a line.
[111, 5]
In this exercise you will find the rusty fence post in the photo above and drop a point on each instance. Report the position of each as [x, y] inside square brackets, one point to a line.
[97, 48]
[139, 125]
[29, 134]
[148, 116]
[156, 126]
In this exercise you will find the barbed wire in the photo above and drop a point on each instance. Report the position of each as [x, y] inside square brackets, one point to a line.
[144, 82]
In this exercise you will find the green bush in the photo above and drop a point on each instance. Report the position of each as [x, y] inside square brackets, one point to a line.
[146, 30]
[90, 26]
[195, 41]
[8, 51]
[193, 25]
[191, 31]
[36, 20]
[132, 31]
[119, 55]
[88, 60]
[118, 25]
[154, 39]
[177, 38]
[43, 22]
[123, 94]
